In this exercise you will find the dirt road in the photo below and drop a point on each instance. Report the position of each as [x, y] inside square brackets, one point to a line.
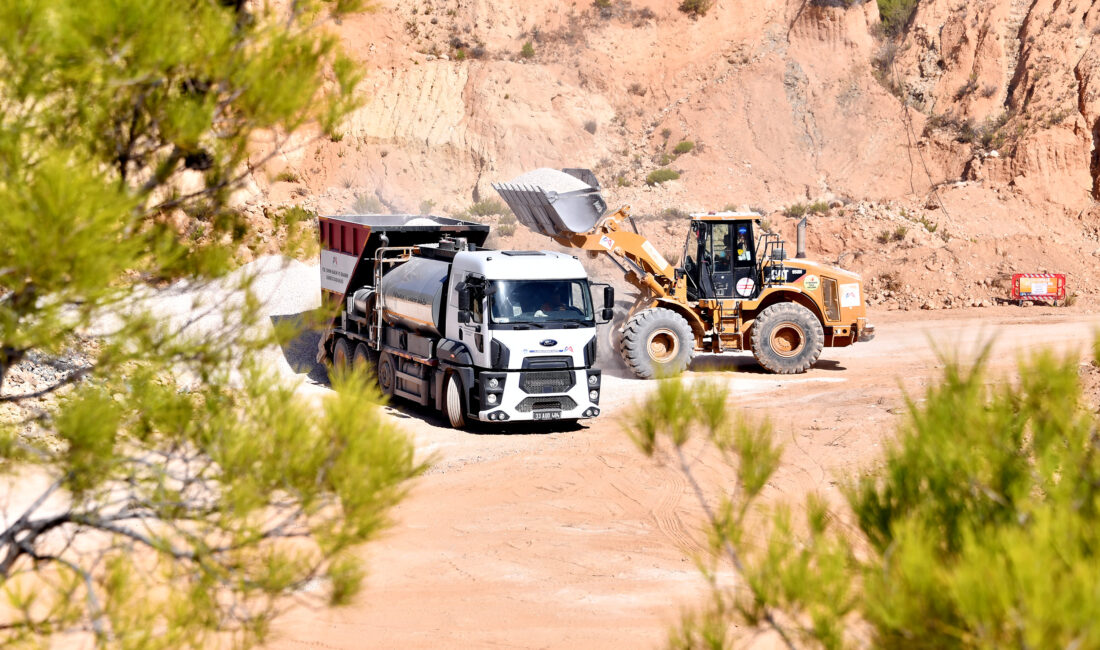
[542, 538]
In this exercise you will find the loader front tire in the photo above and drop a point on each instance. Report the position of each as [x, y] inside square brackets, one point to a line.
[787, 338]
[657, 342]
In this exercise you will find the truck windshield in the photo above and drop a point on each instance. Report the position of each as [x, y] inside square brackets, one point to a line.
[546, 303]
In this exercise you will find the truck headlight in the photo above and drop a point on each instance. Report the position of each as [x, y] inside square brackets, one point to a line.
[491, 398]
[593, 395]
[494, 382]
[593, 380]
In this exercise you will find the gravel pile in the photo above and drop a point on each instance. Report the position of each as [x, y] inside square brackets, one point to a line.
[550, 180]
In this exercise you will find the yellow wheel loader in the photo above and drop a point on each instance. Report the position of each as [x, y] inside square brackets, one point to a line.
[733, 291]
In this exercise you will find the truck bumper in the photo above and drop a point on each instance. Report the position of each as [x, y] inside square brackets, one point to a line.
[513, 403]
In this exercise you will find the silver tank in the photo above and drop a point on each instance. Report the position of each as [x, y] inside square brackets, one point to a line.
[412, 295]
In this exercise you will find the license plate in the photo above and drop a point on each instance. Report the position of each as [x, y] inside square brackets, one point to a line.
[547, 415]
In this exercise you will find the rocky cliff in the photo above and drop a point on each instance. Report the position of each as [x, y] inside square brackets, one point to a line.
[978, 120]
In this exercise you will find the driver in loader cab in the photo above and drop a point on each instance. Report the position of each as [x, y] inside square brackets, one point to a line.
[724, 256]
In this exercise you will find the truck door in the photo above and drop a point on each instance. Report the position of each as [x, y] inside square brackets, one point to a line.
[472, 333]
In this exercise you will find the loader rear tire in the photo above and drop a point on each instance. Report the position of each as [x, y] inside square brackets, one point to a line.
[787, 338]
[341, 355]
[657, 342]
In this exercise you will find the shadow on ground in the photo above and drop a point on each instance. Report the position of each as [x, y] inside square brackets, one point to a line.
[299, 335]
[746, 363]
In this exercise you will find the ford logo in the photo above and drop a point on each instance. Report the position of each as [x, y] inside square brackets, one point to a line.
[548, 343]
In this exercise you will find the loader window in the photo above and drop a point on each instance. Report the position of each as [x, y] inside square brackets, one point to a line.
[722, 247]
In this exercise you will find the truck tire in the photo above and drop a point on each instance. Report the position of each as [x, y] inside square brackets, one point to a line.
[657, 342]
[387, 374]
[341, 355]
[787, 338]
[453, 405]
[365, 359]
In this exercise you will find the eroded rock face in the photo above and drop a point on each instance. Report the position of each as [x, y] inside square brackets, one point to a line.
[785, 101]
[1021, 75]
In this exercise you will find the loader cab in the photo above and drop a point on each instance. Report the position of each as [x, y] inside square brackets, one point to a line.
[720, 256]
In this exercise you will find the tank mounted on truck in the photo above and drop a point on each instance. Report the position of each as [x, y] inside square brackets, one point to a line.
[734, 290]
[478, 334]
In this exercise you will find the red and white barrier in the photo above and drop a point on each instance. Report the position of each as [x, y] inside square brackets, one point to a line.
[1038, 286]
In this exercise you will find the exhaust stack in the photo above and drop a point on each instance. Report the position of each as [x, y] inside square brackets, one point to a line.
[801, 254]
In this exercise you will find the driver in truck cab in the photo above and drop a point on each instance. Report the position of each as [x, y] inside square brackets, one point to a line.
[551, 298]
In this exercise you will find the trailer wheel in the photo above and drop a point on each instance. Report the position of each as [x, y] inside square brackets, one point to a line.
[365, 359]
[456, 411]
[341, 355]
[657, 342]
[387, 374]
[787, 338]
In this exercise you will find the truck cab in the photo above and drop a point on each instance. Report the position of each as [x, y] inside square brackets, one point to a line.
[528, 321]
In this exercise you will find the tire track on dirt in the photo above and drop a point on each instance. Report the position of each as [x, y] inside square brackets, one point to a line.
[666, 516]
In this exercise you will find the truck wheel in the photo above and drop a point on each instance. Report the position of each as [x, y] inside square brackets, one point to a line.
[787, 338]
[657, 342]
[365, 359]
[341, 355]
[456, 412]
[387, 374]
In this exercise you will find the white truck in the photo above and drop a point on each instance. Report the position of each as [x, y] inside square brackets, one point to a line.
[479, 334]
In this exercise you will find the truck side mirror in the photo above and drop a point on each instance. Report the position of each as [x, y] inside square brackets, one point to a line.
[465, 301]
[609, 297]
[606, 315]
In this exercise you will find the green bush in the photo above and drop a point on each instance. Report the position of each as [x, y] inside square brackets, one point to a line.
[684, 147]
[979, 527]
[896, 14]
[506, 230]
[696, 8]
[658, 176]
[486, 208]
[796, 210]
[286, 176]
[528, 50]
[818, 207]
[367, 204]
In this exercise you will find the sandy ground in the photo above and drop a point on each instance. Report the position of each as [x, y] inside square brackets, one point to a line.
[539, 538]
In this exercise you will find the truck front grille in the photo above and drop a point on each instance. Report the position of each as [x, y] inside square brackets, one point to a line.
[561, 403]
[539, 382]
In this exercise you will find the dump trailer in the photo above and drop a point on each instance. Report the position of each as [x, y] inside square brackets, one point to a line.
[479, 334]
[734, 290]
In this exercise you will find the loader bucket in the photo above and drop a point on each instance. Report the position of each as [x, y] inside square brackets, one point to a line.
[555, 203]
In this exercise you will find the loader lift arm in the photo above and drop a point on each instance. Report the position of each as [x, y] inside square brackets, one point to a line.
[577, 219]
